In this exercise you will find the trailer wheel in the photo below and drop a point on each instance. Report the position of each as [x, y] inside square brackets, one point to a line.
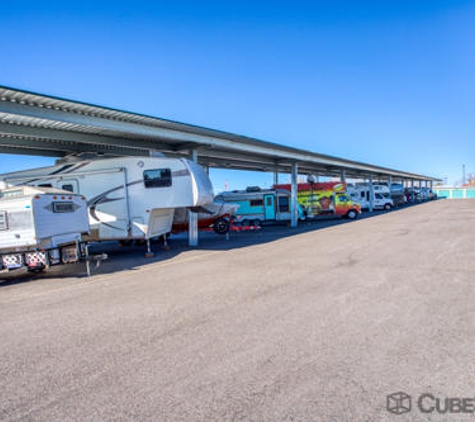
[256, 223]
[221, 226]
[351, 214]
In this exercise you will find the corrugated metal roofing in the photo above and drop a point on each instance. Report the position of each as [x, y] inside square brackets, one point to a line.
[37, 124]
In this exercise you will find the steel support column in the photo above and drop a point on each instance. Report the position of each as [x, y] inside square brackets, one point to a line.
[371, 193]
[343, 176]
[293, 196]
[276, 178]
[193, 216]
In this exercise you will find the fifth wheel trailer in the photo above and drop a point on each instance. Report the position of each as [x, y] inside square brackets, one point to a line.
[128, 197]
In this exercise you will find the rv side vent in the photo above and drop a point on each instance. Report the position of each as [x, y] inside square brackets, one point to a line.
[3, 220]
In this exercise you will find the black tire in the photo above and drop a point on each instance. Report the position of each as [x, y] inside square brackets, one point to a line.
[245, 222]
[351, 214]
[387, 207]
[256, 223]
[221, 226]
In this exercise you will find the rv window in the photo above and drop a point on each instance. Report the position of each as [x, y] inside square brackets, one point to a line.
[256, 202]
[158, 178]
[68, 187]
[284, 204]
[61, 207]
[3, 220]
[45, 185]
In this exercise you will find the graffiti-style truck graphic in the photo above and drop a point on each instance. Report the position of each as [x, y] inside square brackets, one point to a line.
[328, 198]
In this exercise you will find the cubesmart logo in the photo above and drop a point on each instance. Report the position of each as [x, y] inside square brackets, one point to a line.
[398, 403]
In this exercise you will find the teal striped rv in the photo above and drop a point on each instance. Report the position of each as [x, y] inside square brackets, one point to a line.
[257, 206]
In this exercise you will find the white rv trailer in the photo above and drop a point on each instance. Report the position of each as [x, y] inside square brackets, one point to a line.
[40, 227]
[128, 197]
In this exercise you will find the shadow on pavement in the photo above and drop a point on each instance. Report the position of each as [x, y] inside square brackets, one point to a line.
[126, 258]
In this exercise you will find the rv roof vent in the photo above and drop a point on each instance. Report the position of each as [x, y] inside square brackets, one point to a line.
[253, 189]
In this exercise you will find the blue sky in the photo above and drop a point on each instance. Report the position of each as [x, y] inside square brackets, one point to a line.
[385, 82]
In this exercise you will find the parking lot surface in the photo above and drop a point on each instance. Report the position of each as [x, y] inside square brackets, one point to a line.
[319, 323]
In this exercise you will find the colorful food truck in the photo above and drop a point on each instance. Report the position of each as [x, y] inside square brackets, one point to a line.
[328, 198]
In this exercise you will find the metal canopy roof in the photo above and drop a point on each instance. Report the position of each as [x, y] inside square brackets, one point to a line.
[36, 124]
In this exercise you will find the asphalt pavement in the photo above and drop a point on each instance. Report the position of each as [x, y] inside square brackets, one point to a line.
[319, 323]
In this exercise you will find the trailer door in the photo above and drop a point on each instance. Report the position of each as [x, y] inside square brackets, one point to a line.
[107, 197]
[269, 207]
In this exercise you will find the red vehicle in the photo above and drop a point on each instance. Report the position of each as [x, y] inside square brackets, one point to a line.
[216, 215]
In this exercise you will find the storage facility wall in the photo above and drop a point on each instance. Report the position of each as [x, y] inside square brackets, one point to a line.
[455, 193]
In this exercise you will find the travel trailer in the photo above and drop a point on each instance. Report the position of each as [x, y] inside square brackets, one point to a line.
[216, 215]
[40, 227]
[257, 206]
[397, 187]
[329, 198]
[397, 194]
[128, 197]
